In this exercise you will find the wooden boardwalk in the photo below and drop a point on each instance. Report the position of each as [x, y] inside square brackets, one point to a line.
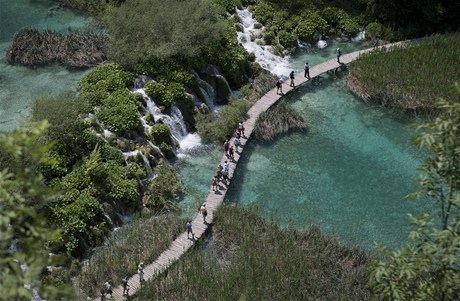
[215, 199]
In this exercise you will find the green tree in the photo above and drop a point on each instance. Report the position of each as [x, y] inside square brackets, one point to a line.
[147, 29]
[24, 232]
[428, 268]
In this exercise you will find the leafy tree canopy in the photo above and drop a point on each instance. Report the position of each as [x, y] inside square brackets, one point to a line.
[428, 268]
[147, 29]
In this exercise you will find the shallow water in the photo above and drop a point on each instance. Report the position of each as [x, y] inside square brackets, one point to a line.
[348, 173]
[18, 84]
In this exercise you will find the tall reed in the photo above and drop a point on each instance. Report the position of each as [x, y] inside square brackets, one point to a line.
[409, 77]
[251, 258]
[277, 120]
[140, 240]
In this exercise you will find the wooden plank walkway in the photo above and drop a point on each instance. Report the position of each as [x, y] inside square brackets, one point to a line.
[215, 198]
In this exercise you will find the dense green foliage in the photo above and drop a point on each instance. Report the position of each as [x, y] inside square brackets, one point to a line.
[219, 126]
[278, 120]
[24, 232]
[429, 267]
[253, 259]
[161, 134]
[409, 77]
[79, 212]
[176, 28]
[142, 240]
[119, 112]
[164, 189]
[70, 136]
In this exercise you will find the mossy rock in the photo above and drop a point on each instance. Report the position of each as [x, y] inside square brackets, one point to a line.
[258, 25]
[223, 90]
[239, 27]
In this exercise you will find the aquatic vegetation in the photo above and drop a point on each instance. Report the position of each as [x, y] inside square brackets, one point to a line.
[251, 258]
[142, 239]
[32, 47]
[278, 120]
[409, 77]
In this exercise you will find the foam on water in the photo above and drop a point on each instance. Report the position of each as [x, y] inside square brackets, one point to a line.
[264, 55]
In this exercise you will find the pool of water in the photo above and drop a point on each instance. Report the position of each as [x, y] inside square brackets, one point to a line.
[348, 173]
[18, 84]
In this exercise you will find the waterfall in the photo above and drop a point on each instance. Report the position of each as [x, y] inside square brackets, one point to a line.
[148, 167]
[264, 55]
[321, 44]
[360, 36]
[175, 122]
[208, 93]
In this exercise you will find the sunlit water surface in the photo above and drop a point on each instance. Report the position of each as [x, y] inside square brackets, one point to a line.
[18, 84]
[348, 173]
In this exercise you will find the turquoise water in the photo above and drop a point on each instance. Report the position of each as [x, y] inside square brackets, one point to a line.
[347, 174]
[19, 85]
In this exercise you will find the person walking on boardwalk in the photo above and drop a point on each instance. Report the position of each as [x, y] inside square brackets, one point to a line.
[188, 227]
[124, 283]
[307, 70]
[279, 86]
[108, 288]
[226, 147]
[292, 77]
[140, 271]
[237, 143]
[231, 152]
[338, 52]
[204, 212]
[241, 128]
[214, 183]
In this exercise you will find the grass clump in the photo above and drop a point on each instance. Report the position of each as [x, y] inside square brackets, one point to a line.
[408, 78]
[278, 120]
[143, 239]
[32, 48]
[253, 259]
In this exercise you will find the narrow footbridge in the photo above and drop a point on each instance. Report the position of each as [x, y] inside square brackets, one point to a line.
[215, 198]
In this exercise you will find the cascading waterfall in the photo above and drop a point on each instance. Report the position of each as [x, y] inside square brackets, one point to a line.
[175, 122]
[360, 36]
[208, 93]
[148, 167]
[264, 55]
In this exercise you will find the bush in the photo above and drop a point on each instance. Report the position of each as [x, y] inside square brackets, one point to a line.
[164, 189]
[288, 39]
[119, 112]
[310, 25]
[402, 77]
[161, 134]
[269, 37]
[374, 30]
[180, 29]
[278, 120]
[107, 78]
[221, 125]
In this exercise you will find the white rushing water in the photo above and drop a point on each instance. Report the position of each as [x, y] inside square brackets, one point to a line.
[175, 122]
[148, 167]
[360, 36]
[264, 56]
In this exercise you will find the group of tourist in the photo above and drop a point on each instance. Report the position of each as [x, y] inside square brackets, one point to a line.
[279, 82]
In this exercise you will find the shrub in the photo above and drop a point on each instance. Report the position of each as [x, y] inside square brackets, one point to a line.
[180, 29]
[374, 30]
[119, 112]
[221, 125]
[165, 188]
[287, 39]
[161, 134]
[269, 37]
[310, 25]
[107, 77]
[349, 26]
